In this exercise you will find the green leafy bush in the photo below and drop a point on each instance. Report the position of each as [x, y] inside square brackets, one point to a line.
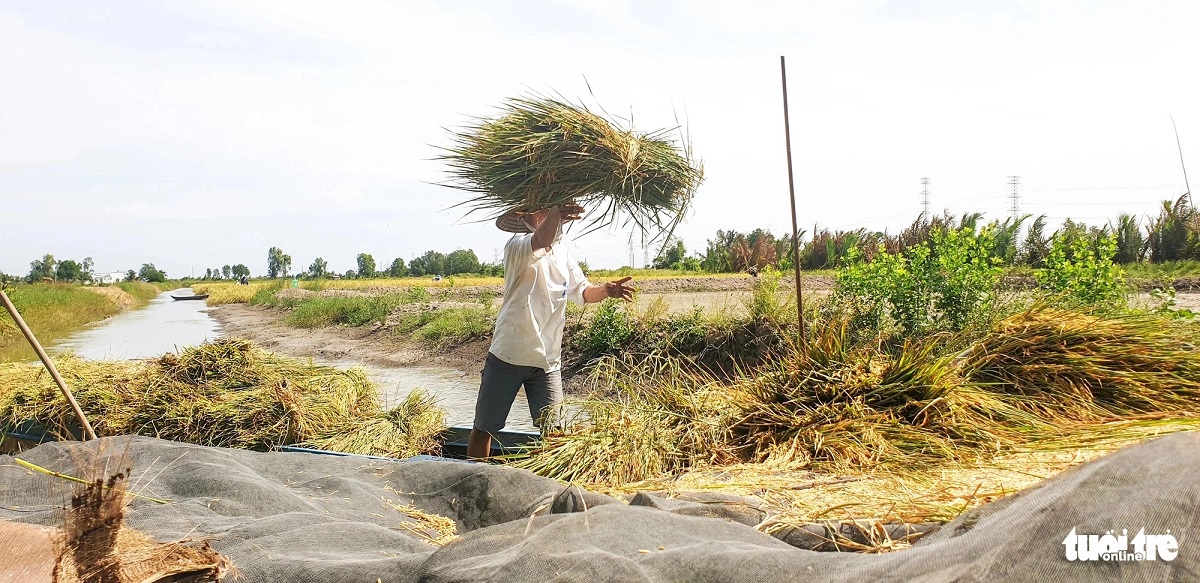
[944, 283]
[770, 301]
[1082, 273]
[609, 328]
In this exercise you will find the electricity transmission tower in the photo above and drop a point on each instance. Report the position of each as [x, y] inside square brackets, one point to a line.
[925, 199]
[1014, 196]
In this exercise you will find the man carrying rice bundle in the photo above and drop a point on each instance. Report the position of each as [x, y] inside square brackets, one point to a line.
[540, 276]
[534, 164]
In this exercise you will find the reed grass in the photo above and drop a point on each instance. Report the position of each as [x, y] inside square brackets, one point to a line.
[543, 152]
[225, 393]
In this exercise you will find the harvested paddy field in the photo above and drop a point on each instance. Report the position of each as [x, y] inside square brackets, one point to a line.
[376, 342]
[868, 439]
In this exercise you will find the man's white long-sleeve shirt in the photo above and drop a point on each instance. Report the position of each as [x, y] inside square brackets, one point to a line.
[537, 285]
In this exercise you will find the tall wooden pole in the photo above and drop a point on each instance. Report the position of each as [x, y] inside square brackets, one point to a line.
[787, 133]
[37, 347]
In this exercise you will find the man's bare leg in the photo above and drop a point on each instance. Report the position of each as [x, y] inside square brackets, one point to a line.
[479, 445]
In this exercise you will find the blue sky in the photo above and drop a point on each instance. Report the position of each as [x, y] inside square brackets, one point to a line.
[197, 134]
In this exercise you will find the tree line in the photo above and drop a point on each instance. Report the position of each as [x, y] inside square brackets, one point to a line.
[460, 261]
[48, 268]
[1172, 235]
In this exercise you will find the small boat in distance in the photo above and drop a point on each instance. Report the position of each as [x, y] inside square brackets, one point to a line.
[198, 297]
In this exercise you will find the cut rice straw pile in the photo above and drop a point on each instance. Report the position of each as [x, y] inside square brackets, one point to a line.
[225, 393]
[926, 430]
[542, 152]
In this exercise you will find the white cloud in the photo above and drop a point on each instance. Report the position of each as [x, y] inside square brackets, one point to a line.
[313, 126]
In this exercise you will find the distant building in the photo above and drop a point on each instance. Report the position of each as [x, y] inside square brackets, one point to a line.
[111, 277]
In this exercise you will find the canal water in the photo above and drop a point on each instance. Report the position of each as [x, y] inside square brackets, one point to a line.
[168, 325]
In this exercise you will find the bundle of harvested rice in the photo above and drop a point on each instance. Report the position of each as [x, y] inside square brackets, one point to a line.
[225, 393]
[542, 152]
[1080, 367]
[655, 417]
[1040, 379]
[411, 428]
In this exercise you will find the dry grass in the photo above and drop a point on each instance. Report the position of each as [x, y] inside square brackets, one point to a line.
[917, 433]
[798, 496]
[226, 393]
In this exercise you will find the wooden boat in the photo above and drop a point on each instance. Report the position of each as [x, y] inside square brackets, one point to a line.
[199, 297]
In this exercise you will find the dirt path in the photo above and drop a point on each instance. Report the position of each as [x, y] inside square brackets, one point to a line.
[368, 344]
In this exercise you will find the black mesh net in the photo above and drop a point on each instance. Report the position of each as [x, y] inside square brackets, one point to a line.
[307, 517]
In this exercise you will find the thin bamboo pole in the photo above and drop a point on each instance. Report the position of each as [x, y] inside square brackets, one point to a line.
[37, 347]
[787, 133]
[1185, 180]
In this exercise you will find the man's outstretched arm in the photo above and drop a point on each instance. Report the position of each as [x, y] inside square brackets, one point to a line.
[612, 289]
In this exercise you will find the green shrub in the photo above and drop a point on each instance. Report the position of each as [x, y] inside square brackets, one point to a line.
[266, 295]
[769, 301]
[943, 284]
[353, 311]
[1163, 304]
[447, 326]
[609, 329]
[417, 295]
[1082, 274]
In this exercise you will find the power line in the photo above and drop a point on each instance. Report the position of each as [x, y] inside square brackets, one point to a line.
[1159, 186]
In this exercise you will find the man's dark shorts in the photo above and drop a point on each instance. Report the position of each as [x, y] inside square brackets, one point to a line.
[499, 387]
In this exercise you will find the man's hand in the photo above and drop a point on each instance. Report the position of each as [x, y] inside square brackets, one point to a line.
[547, 229]
[618, 289]
[568, 212]
[613, 289]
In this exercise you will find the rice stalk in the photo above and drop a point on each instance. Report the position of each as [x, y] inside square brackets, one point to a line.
[225, 393]
[413, 427]
[639, 429]
[1085, 368]
[1041, 378]
[541, 152]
